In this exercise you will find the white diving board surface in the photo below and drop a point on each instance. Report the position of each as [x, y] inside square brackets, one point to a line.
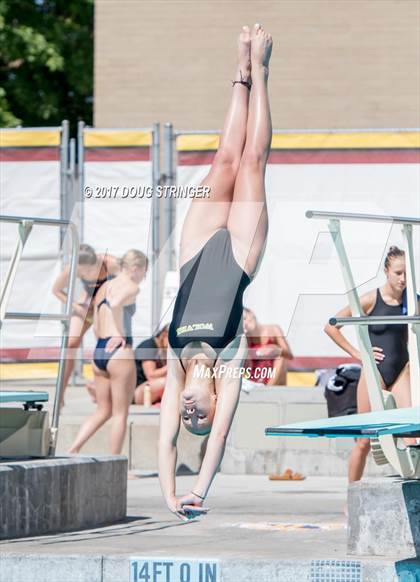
[397, 421]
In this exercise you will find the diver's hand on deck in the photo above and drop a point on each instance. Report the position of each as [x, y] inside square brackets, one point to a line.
[192, 506]
[175, 507]
[114, 342]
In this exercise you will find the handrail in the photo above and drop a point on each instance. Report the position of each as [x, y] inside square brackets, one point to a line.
[375, 320]
[25, 228]
[37, 220]
[37, 316]
[362, 217]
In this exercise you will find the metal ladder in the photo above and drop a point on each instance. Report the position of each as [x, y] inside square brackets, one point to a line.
[25, 225]
[405, 461]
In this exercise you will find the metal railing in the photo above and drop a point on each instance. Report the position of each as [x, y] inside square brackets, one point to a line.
[405, 461]
[25, 225]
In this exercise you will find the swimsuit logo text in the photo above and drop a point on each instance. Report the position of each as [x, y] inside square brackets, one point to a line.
[193, 327]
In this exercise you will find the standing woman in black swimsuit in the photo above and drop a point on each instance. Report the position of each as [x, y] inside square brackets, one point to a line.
[222, 243]
[390, 349]
[113, 360]
[93, 270]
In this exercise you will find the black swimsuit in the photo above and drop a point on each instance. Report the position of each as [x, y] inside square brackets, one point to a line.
[92, 287]
[208, 307]
[392, 339]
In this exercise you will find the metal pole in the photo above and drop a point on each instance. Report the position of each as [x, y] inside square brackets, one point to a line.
[64, 161]
[375, 320]
[72, 174]
[362, 217]
[81, 176]
[169, 141]
[412, 309]
[64, 338]
[156, 285]
[72, 204]
[369, 365]
[68, 199]
[80, 200]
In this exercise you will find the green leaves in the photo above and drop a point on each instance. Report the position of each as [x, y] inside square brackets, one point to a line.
[46, 61]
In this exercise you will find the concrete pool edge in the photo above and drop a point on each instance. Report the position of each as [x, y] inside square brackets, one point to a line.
[21, 567]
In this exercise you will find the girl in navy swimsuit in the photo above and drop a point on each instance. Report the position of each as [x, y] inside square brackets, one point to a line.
[389, 343]
[93, 271]
[222, 244]
[113, 362]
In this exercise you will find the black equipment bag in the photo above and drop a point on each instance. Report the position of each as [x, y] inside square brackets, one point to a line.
[341, 390]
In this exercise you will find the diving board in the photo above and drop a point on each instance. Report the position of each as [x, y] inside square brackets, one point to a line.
[385, 423]
[396, 421]
[27, 397]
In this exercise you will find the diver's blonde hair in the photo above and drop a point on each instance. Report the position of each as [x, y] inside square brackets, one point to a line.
[134, 258]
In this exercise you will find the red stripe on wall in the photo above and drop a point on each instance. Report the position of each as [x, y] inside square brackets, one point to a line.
[344, 157]
[28, 154]
[200, 158]
[120, 154]
[195, 158]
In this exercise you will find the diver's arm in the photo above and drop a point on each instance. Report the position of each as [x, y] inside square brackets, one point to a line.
[169, 429]
[226, 406]
[229, 390]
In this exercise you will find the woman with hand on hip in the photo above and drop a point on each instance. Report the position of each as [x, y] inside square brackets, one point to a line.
[390, 349]
[113, 360]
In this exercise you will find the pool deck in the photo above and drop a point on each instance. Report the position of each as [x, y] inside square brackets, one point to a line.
[236, 533]
[257, 530]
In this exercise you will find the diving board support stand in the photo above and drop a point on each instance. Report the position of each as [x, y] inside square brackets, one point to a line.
[406, 461]
[412, 309]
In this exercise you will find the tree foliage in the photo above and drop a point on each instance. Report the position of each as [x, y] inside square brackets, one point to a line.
[46, 62]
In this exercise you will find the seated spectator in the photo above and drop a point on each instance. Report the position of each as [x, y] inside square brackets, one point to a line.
[151, 366]
[268, 351]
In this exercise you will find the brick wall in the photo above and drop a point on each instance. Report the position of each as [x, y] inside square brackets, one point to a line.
[335, 64]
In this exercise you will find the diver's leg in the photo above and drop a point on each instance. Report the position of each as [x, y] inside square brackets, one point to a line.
[247, 220]
[206, 215]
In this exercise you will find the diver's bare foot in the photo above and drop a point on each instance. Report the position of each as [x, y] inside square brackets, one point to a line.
[261, 45]
[244, 55]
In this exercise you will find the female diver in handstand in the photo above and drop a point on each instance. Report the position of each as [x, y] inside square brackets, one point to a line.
[222, 244]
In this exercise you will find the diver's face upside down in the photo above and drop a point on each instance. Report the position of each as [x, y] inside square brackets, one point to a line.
[197, 405]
